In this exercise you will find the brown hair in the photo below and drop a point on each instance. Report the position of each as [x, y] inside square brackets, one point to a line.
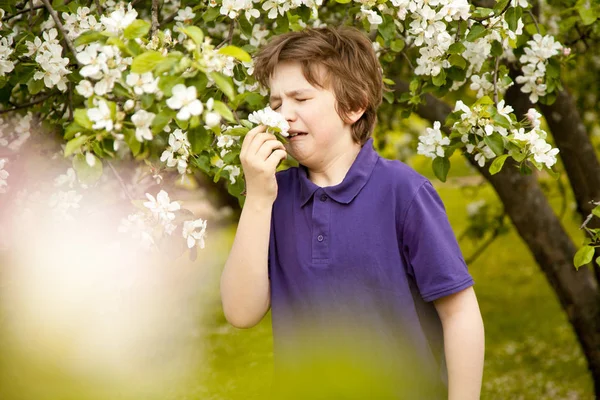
[352, 69]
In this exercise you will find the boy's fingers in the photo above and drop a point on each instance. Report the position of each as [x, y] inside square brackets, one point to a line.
[267, 148]
[258, 142]
[275, 158]
[248, 139]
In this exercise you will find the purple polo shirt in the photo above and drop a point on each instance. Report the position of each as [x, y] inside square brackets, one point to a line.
[361, 263]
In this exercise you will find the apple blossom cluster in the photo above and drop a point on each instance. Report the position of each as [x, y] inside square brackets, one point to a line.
[15, 131]
[214, 61]
[432, 144]
[3, 176]
[233, 8]
[534, 62]
[159, 212]
[535, 140]
[119, 19]
[274, 121]
[6, 65]
[102, 64]
[178, 152]
[225, 142]
[81, 21]
[475, 125]
[48, 55]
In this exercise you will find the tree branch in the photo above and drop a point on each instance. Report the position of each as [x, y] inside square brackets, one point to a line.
[155, 23]
[27, 105]
[229, 35]
[61, 28]
[496, 81]
[120, 181]
[10, 16]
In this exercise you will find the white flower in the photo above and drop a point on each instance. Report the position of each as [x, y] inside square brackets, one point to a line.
[372, 16]
[185, 15]
[194, 232]
[504, 110]
[271, 119]
[144, 83]
[474, 207]
[119, 19]
[6, 66]
[234, 172]
[137, 225]
[90, 159]
[101, 116]
[63, 202]
[178, 152]
[185, 100]
[431, 144]
[544, 153]
[534, 117]
[69, 178]
[85, 88]
[162, 208]
[275, 5]
[3, 176]
[142, 120]
[129, 105]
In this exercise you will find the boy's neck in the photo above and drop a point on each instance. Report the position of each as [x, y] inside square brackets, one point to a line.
[333, 171]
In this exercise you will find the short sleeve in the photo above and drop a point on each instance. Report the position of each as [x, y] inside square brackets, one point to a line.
[430, 247]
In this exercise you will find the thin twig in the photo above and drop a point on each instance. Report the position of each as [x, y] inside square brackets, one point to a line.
[120, 181]
[229, 35]
[496, 81]
[170, 18]
[70, 100]
[155, 23]
[26, 105]
[98, 7]
[408, 59]
[492, 15]
[60, 27]
[534, 21]
[10, 16]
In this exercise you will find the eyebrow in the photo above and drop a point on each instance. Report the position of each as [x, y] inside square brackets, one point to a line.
[290, 94]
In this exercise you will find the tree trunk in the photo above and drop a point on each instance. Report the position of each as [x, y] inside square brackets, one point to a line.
[550, 245]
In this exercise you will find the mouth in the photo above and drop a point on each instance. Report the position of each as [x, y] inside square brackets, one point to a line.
[293, 134]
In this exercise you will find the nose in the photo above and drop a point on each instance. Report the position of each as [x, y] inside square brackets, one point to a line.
[287, 111]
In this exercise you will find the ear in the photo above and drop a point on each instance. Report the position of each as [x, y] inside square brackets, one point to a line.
[354, 116]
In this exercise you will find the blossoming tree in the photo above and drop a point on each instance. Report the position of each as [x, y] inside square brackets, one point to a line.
[169, 85]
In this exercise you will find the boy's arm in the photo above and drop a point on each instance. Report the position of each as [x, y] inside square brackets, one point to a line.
[245, 289]
[464, 343]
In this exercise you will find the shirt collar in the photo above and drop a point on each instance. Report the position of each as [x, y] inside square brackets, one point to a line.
[356, 178]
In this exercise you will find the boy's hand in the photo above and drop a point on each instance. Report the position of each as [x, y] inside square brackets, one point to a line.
[261, 153]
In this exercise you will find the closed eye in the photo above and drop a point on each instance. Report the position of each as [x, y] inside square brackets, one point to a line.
[298, 100]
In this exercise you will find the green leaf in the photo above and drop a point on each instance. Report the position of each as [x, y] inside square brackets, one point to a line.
[236, 131]
[397, 45]
[225, 112]
[583, 256]
[389, 97]
[476, 32]
[194, 33]
[587, 14]
[166, 64]
[481, 12]
[200, 139]
[388, 81]
[457, 48]
[497, 164]
[211, 14]
[89, 37]
[495, 142]
[512, 16]
[35, 86]
[224, 83]
[458, 61]
[343, 1]
[85, 173]
[499, 6]
[136, 29]
[283, 25]
[441, 166]
[75, 144]
[133, 48]
[388, 28]
[134, 145]
[82, 118]
[439, 79]
[497, 49]
[596, 211]
[235, 52]
[162, 119]
[146, 62]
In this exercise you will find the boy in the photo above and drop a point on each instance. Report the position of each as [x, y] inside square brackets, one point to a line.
[356, 247]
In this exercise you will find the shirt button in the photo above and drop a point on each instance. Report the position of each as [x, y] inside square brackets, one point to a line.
[320, 238]
[324, 197]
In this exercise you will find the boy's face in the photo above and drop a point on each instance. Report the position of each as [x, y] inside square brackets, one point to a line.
[310, 110]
